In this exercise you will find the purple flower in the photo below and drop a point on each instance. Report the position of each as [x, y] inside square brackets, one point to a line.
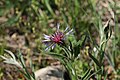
[57, 38]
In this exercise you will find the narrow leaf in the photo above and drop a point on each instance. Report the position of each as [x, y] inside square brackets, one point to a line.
[95, 60]
[86, 74]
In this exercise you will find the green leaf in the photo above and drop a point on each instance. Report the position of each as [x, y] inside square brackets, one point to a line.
[77, 49]
[24, 65]
[107, 29]
[71, 70]
[101, 56]
[58, 56]
[93, 74]
[95, 60]
[49, 7]
[71, 46]
[86, 74]
[25, 75]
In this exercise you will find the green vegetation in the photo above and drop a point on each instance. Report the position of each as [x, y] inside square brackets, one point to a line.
[91, 52]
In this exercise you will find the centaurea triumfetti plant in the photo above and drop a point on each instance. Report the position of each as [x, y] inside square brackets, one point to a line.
[19, 64]
[57, 38]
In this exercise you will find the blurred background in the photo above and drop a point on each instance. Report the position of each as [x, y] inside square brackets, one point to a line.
[23, 23]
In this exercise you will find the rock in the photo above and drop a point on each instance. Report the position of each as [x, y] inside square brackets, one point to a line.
[50, 73]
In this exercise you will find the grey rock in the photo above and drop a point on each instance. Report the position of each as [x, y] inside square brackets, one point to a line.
[50, 73]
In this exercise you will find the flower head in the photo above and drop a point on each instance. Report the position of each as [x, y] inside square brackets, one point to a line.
[57, 38]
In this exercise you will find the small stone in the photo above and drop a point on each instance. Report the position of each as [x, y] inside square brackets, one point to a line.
[50, 73]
